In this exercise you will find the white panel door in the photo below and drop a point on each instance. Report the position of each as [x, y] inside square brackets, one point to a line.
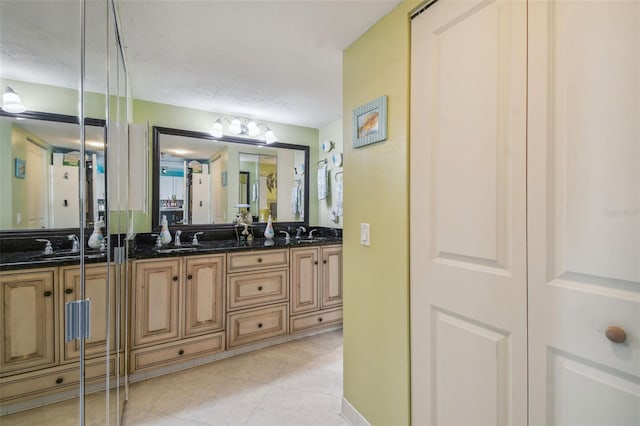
[468, 225]
[584, 212]
[37, 183]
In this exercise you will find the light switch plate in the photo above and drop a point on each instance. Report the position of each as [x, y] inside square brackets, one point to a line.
[364, 234]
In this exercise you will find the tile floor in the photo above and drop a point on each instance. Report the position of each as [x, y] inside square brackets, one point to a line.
[296, 383]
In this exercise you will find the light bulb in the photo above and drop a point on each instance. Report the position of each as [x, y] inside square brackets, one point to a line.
[11, 102]
[253, 129]
[216, 129]
[269, 136]
[235, 127]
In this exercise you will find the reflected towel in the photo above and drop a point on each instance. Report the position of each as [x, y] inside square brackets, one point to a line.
[254, 192]
[339, 198]
[295, 200]
[322, 182]
[301, 201]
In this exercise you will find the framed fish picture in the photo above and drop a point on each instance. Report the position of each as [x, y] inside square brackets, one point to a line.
[370, 122]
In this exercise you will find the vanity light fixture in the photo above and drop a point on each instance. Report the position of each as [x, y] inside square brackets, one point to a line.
[242, 127]
[11, 101]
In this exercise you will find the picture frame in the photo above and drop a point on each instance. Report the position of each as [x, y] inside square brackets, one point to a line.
[21, 168]
[370, 122]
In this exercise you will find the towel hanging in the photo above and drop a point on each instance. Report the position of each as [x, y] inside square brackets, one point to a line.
[323, 182]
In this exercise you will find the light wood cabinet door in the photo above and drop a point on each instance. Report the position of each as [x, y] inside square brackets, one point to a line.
[204, 294]
[156, 301]
[27, 306]
[331, 276]
[304, 280]
[99, 283]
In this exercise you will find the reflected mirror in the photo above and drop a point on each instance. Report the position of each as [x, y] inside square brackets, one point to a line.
[200, 180]
[44, 163]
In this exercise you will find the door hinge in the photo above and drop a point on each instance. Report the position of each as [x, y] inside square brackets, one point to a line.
[77, 320]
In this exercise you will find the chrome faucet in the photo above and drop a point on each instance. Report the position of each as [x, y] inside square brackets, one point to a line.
[311, 233]
[158, 240]
[195, 241]
[287, 237]
[176, 241]
[48, 249]
[76, 244]
[301, 229]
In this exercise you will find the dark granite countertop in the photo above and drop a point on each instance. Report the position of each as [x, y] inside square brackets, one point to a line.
[224, 246]
[31, 259]
[13, 260]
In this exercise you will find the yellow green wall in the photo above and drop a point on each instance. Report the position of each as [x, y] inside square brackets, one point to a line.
[376, 278]
[164, 115]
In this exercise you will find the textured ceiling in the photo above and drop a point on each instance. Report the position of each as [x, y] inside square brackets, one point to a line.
[273, 60]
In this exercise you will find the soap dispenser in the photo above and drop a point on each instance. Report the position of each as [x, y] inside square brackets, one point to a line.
[268, 231]
[165, 235]
[95, 240]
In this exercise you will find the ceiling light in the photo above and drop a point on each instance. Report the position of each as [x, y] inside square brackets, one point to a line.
[216, 129]
[269, 136]
[242, 127]
[11, 102]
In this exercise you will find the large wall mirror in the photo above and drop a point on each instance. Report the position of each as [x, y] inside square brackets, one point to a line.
[203, 181]
[42, 192]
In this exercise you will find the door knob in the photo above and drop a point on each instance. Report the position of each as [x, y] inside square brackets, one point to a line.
[615, 334]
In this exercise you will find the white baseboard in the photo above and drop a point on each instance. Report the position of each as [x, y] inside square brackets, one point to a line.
[352, 415]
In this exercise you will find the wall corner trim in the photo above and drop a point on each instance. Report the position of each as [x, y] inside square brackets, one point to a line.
[353, 416]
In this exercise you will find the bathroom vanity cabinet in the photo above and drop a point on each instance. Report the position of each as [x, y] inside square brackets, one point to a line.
[316, 287]
[183, 308]
[258, 296]
[177, 309]
[35, 359]
[193, 306]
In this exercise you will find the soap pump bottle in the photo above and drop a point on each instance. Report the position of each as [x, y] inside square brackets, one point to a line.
[165, 235]
[95, 240]
[268, 230]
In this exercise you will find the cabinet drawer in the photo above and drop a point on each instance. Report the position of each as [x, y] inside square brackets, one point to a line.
[316, 319]
[253, 325]
[260, 259]
[161, 355]
[56, 379]
[257, 288]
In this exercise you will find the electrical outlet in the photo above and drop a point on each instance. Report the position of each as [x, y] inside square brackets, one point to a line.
[19, 218]
[364, 235]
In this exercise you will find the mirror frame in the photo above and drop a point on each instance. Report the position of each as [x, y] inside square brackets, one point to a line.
[60, 118]
[155, 196]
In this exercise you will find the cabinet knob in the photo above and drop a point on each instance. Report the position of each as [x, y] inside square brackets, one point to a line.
[259, 288]
[324, 261]
[68, 291]
[181, 352]
[259, 325]
[320, 319]
[59, 380]
[175, 278]
[47, 293]
[315, 262]
[259, 260]
[189, 276]
[616, 334]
